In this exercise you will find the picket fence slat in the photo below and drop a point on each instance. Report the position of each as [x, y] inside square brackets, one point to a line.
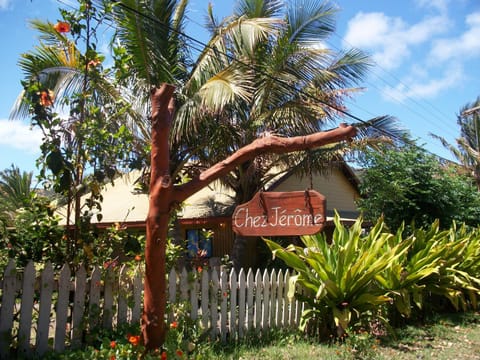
[94, 299]
[78, 307]
[273, 293]
[214, 303]
[226, 304]
[108, 299]
[137, 296]
[9, 290]
[250, 294]
[223, 306]
[232, 321]
[61, 312]
[43, 325]
[241, 303]
[258, 300]
[194, 298]
[205, 300]
[172, 291]
[286, 304]
[279, 301]
[266, 302]
[184, 285]
[123, 290]
[26, 310]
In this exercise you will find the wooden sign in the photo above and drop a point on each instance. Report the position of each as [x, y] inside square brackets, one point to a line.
[281, 214]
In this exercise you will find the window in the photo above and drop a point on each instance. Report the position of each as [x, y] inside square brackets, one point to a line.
[199, 243]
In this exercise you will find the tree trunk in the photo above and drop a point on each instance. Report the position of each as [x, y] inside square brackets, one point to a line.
[161, 187]
[164, 196]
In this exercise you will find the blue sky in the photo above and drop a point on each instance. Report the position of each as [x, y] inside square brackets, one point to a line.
[427, 55]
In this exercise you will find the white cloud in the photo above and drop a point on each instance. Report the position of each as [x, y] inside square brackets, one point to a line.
[390, 38]
[439, 5]
[422, 86]
[465, 45]
[5, 4]
[20, 136]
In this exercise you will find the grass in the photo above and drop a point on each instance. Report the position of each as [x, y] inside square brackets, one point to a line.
[447, 337]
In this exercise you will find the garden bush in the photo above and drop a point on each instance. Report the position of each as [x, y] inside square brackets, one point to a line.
[361, 278]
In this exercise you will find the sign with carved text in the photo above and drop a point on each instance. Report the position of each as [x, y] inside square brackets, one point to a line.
[281, 214]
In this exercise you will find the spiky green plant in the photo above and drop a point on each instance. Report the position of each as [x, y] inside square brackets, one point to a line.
[339, 278]
[438, 263]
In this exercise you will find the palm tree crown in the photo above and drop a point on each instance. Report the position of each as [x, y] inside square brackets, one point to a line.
[467, 149]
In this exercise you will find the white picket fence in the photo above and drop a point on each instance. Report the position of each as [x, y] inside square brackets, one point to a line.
[47, 310]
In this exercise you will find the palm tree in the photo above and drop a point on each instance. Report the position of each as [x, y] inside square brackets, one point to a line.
[467, 149]
[292, 85]
[15, 193]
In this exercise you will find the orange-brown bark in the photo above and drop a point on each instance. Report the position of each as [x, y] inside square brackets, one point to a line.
[270, 144]
[154, 303]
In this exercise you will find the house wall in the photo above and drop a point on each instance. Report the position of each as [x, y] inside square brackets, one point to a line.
[334, 185]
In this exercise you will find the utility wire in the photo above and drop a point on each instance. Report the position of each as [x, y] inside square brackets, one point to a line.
[408, 97]
[233, 59]
[372, 84]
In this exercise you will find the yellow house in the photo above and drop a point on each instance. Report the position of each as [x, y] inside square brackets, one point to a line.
[205, 222]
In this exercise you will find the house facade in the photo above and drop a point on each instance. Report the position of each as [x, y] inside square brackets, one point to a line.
[205, 220]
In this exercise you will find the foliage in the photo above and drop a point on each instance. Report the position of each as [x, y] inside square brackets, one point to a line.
[15, 193]
[432, 267]
[467, 149]
[340, 278]
[35, 234]
[28, 227]
[357, 278]
[185, 340]
[84, 149]
[406, 185]
[444, 337]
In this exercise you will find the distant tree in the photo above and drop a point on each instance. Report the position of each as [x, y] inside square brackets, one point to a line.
[467, 150]
[409, 185]
[28, 227]
[15, 193]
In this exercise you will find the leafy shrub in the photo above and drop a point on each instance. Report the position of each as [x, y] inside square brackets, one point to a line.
[357, 276]
[339, 279]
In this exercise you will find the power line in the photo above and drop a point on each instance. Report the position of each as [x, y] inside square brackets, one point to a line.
[408, 97]
[233, 59]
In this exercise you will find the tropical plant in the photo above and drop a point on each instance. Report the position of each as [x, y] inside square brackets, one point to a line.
[461, 267]
[81, 150]
[467, 149]
[15, 192]
[340, 277]
[28, 227]
[35, 235]
[428, 269]
[287, 83]
[407, 185]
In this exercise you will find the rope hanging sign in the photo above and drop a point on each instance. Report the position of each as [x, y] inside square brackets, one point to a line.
[281, 214]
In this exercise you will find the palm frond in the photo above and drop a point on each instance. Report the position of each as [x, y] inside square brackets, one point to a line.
[455, 152]
[382, 128]
[150, 32]
[349, 67]
[224, 88]
[258, 8]
[310, 21]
